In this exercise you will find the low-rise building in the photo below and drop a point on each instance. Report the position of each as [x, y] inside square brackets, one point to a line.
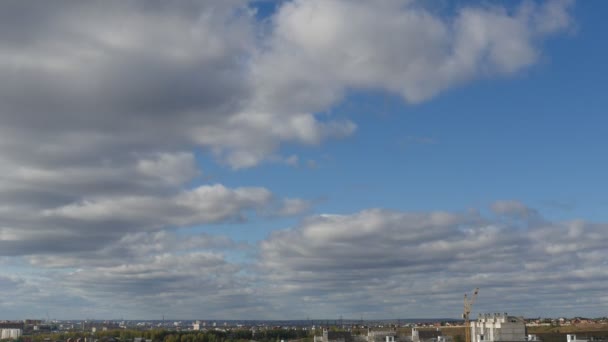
[10, 333]
[381, 336]
[334, 336]
[11, 325]
[427, 335]
[572, 338]
[498, 327]
[197, 325]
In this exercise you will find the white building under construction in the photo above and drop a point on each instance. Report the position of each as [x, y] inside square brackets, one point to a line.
[10, 334]
[499, 327]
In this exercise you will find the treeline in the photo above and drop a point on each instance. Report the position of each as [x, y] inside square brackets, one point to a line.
[158, 335]
[236, 336]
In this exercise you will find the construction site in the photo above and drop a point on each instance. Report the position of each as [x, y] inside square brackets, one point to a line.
[486, 327]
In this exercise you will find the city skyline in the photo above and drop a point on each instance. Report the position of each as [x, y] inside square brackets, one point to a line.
[304, 158]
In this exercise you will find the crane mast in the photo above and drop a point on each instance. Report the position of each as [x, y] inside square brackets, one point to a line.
[468, 305]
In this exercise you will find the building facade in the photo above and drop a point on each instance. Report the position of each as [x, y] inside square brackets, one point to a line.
[334, 336]
[498, 327]
[381, 336]
[10, 333]
[427, 335]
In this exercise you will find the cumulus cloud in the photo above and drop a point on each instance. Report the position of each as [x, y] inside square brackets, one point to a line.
[104, 78]
[200, 205]
[92, 224]
[327, 46]
[142, 274]
[92, 83]
[137, 247]
[172, 168]
[512, 208]
[147, 272]
[378, 262]
[294, 206]
[104, 106]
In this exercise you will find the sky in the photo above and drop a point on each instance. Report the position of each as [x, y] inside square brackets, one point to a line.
[233, 159]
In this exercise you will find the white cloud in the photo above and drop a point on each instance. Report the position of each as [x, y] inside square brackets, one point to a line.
[223, 83]
[201, 205]
[319, 48]
[376, 263]
[424, 262]
[294, 206]
[292, 160]
[217, 85]
[145, 272]
[96, 222]
[512, 208]
[102, 105]
[174, 169]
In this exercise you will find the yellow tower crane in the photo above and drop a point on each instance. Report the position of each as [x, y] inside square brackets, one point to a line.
[468, 304]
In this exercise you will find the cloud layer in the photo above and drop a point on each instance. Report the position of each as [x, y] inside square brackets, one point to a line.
[107, 106]
[376, 263]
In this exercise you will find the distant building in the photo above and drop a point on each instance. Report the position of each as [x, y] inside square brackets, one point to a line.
[10, 333]
[427, 335]
[381, 336]
[197, 325]
[334, 336]
[498, 327]
[572, 338]
[11, 325]
[42, 327]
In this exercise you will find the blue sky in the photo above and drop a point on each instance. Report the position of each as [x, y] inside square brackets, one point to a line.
[536, 136]
[306, 158]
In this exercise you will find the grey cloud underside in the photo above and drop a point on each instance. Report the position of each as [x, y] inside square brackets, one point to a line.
[101, 106]
[143, 273]
[93, 82]
[376, 263]
[421, 264]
